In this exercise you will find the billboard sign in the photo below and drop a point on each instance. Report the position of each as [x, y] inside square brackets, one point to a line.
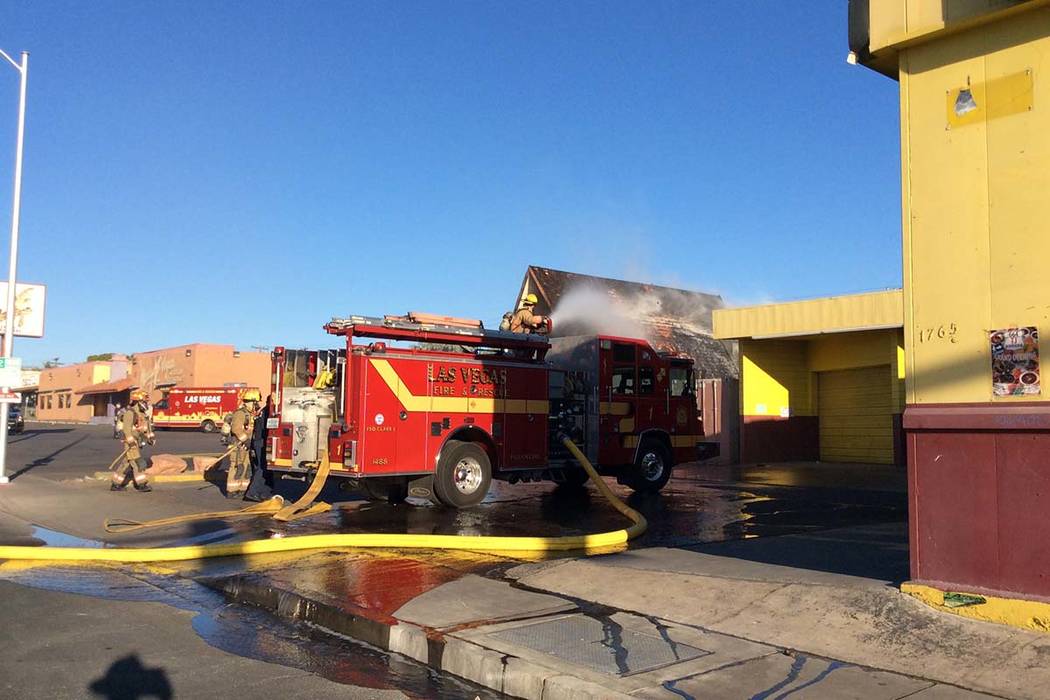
[29, 309]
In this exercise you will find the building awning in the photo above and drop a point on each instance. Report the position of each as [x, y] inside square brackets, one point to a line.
[841, 314]
[114, 387]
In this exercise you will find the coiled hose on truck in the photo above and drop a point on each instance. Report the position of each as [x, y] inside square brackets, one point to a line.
[372, 540]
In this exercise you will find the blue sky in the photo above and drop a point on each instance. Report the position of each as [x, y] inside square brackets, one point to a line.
[240, 172]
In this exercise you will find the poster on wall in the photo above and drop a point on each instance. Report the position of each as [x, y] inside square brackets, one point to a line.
[1015, 361]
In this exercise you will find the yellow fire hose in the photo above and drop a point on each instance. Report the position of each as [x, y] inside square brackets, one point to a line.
[302, 508]
[391, 541]
[113, 464]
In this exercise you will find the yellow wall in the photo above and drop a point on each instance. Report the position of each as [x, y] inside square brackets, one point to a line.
[100, 374]
[775, 378]
[976, 202]
[778, 374]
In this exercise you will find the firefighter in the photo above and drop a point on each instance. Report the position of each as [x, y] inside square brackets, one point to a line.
[524, 321]
[137, 428]
[261, 486]
[241, 427]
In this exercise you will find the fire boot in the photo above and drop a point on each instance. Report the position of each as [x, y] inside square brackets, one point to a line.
[119, 480]
[140, 478]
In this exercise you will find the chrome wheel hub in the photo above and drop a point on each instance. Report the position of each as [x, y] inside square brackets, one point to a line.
[652, 467]
[467, 475]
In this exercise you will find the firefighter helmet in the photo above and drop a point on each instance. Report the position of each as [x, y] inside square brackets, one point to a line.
[138, 395]
[252, 395]
[530, 299]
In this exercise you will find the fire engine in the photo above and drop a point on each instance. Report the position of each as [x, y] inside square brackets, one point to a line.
[200, 408]
[437, 408]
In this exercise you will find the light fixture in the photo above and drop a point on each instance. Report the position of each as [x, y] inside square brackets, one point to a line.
[964, 103]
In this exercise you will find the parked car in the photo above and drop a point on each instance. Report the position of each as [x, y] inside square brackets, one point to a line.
[16, 423]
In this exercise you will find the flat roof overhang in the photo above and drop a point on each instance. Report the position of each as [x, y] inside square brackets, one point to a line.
[848, 313]
[880, 30]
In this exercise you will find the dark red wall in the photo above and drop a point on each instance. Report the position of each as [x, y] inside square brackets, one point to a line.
[979, 484]
[775, 439]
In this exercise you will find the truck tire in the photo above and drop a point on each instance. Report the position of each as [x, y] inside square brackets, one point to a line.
[463, 476]
[208, 426]
[651, 469]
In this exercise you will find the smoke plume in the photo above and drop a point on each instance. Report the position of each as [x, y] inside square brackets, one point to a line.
[586, 310]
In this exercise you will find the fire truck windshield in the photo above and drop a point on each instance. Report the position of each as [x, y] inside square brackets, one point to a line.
[681, 381]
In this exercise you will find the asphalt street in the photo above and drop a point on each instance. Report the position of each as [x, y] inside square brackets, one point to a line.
[843, 519]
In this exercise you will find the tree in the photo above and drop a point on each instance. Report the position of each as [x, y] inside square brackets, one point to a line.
[53, 362]
[102, 357]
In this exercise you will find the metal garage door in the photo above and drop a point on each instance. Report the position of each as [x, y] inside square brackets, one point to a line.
[856, 415]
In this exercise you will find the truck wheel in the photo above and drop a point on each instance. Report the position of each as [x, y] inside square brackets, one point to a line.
[208, 426]
[463, 474]
[652, 468]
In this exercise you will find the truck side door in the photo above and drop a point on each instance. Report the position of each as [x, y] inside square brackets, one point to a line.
[618, 407]
[652, 405]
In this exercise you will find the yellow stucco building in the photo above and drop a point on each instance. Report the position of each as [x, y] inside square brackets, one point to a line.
[820, 379]
[974, 80]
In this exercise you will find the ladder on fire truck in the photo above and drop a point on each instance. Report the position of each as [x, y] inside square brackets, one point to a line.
[428, 328]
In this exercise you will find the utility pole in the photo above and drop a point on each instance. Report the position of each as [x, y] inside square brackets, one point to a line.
[12, 278]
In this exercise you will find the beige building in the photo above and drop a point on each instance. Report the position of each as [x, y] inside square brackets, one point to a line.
[198, 365]
[64, 394]
[92, 391]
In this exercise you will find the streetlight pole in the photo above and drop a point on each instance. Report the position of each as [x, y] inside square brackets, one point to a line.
[16, 206]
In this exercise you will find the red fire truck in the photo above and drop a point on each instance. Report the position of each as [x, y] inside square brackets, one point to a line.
[200, 408]
[438, 410]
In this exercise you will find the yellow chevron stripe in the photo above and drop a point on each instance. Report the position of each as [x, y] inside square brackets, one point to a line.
[282, 462]
[631, 441]
[616, 408]
[452, 404]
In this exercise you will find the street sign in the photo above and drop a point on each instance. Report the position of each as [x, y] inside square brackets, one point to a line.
[10, 397]
[29, 309]
[10, 372]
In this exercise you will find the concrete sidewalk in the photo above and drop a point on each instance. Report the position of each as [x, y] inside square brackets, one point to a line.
[655, 623]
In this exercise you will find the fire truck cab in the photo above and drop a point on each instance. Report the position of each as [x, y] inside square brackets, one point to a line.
[438, 409]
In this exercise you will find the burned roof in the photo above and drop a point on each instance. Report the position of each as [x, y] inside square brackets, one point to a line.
[673, 320]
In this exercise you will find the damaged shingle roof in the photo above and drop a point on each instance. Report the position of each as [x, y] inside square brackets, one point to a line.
[677, 320]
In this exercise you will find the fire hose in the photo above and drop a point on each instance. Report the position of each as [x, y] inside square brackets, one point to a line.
[275, 507]
[358, 540]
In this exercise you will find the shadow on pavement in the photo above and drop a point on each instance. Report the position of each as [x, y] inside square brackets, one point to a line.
[878, 552]
[47, 459]
[128, 679]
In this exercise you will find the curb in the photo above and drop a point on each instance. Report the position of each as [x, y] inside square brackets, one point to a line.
[501, 672]
[1024, 614]
[159, 478]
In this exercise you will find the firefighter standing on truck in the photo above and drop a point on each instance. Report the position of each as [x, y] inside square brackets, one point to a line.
[524, 321]
[137, 429]
[239, 432]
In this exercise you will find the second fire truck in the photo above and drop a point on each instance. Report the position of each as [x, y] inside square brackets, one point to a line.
[438, 408]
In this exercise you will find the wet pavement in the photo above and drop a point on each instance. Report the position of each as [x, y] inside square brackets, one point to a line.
[763, 513]
[249, 632]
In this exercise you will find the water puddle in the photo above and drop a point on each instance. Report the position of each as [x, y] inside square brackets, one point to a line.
[54, 538]
[241, 630]
[254, 634]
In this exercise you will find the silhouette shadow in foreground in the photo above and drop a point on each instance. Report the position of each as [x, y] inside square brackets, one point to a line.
[128, 679]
